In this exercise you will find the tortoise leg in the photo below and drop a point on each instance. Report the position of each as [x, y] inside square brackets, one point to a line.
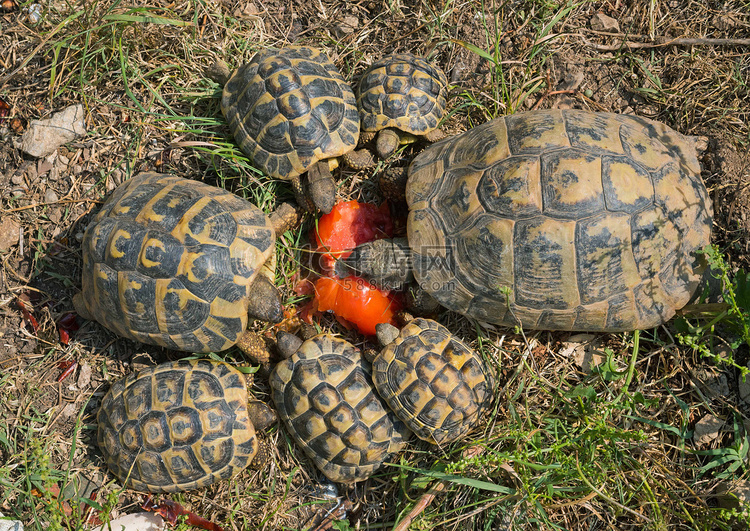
[392, 184]
[360, 159]
[284, 218]
[264, 455]
[254, 347]
[435, 135]
[321, 187]
[265, 301]
[387, 143]
[299, 195]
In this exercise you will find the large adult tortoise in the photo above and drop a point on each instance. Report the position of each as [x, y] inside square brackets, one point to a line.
[324, 395]
[180, 426]
[291, 112]
[436, 384]
[178, 263]
[401, 97]
[557, 220]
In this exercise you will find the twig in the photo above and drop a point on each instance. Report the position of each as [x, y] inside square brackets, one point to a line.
[663, 41]
[421, 505]
[426, 499]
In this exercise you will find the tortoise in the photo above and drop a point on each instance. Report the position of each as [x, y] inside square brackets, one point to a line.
[555, 220]
[437, 385]
[291, 112]
[401, 97]
[324, 395]
[173, 262]
[180, 426]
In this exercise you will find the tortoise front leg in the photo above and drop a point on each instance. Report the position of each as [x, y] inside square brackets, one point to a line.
[321, 187]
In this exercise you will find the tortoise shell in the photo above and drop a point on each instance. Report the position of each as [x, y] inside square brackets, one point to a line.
[560, 220]
[169, 261]
[177, 426]
[325, 397]
[289, 108]
[436, 385]
[404, 92]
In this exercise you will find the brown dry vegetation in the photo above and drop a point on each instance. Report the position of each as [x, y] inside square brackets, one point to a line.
[563, 448]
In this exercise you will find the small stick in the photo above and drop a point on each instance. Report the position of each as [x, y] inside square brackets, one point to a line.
[663, 41]
[421, 505]
[426, 499]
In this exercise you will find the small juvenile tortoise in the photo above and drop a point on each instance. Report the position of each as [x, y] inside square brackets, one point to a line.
[433, 382]
[401, 97]
[291, 112]
[555, 220]
[180, 426]
[324, 395]
[178, 263]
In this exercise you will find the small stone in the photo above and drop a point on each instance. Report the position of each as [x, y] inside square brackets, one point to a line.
[724, 22]
[84, 376]
[69, 410]
[601, 22]
[583, 349]
[8, 233]
[347, 26]
[50, 196]
[43, 166]
[712, 382]
[743, 387]
[43, 137]
[18, 179]
[10, 525]
[135, 522]
[707, 429]
[733, 494]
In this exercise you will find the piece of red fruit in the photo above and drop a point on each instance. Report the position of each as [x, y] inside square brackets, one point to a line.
[357, 301]
[349, 224]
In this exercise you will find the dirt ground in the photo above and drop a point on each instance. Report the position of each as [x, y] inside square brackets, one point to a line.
[548, 56]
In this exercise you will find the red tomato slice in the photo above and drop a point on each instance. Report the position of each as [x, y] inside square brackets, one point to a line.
[357, 301]
[349, 224]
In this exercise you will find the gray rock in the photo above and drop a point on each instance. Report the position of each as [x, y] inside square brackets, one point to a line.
[743, 388]
[8, 233]
[601, 22]
[43, 137]
[10, 525]
[734, 494]
[707, 429]
[50, 196]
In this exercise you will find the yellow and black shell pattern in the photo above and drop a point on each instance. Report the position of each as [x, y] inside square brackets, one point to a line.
[437, 385]
[177, 426]
[404, 92]
[289, 108]
[169, 261]
[324, 395]
[560, 220]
